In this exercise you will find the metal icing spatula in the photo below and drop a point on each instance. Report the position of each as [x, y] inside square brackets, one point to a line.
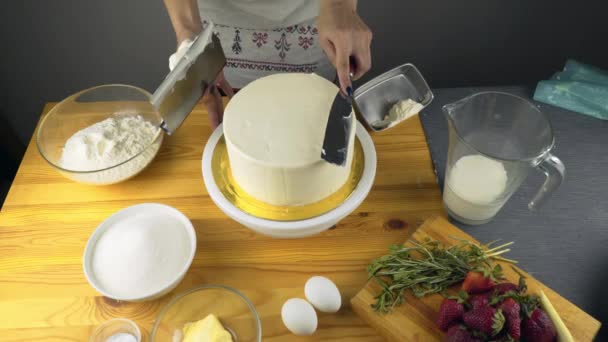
[182, 88]
[338, 129]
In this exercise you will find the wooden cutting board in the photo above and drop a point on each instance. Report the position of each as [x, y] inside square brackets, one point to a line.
[415, 319]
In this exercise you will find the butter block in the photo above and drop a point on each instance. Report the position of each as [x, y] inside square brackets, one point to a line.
[208, 329]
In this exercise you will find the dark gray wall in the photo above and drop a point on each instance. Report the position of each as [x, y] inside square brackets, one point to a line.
[54, 48]
[51, 49]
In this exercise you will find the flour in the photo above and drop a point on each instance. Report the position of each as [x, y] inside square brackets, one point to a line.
[402, 111]
[140, 255]
[107, 144]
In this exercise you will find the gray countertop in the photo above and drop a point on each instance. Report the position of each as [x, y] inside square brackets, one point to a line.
[563, 244]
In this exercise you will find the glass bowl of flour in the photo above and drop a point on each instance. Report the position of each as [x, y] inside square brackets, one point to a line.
[102, 135]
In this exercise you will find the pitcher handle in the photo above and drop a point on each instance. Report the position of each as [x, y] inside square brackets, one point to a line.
[555, 172]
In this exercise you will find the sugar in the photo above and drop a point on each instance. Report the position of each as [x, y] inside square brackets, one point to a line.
[140, 255]
[121, 337]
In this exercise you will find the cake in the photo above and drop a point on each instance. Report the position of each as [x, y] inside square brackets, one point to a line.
[274, 130]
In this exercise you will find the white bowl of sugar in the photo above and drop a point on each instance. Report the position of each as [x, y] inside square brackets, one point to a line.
[140, 253]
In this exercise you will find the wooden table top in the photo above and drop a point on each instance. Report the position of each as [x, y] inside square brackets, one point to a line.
[47, 219]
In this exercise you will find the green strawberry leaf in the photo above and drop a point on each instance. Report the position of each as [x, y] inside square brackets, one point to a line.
[528, 304]
[497, 273]
[498, 322]
[522, 281]
[497, 299]
[462, 297]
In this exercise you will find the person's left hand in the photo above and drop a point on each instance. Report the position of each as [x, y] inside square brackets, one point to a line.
[211, 97]
[344, 36]
[213, 100]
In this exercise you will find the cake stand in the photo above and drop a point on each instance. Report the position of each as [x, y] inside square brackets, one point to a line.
[292, 228]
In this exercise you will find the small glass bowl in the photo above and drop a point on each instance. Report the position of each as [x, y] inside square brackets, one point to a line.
[91, 106]
[115, 326]
[236, 313]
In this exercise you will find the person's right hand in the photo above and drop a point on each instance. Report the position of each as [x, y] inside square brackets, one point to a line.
[211, 96]
[344, 37]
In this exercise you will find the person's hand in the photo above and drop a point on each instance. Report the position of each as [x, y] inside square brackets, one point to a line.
[344, 36]
[211, 96]
[213, 99]
[186, 37]
[185, 19]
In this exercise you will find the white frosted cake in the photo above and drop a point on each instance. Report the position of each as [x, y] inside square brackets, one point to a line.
[274, 129]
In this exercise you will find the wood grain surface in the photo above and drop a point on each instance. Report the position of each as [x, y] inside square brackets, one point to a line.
[47, 219]
[415, 320]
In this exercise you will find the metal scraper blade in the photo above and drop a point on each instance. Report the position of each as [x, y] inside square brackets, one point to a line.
[337, 131]
[177, 95]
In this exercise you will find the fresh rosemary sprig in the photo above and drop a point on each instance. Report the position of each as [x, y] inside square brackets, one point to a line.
[428, 267]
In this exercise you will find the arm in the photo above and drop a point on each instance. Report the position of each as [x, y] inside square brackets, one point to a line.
[185, 18]
[187, 24]
[343, 35]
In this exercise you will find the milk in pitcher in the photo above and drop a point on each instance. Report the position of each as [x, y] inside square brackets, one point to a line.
[474, 188]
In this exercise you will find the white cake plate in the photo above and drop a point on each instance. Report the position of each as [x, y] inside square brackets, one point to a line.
[300, 228]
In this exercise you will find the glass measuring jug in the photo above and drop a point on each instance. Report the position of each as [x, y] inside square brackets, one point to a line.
[495, 139]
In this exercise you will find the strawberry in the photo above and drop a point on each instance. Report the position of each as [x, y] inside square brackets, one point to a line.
[459, 333]
[503, 338]
[503, 288]
[450, 312]
[481, 299]
[510, 309]
[538, 327]
[476, 282]
[486, 319]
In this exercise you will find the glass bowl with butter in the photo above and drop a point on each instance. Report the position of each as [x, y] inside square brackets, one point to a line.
[210, 312]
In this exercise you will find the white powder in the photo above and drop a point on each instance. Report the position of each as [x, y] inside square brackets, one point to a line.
[402, 111]
[140, 255]
[474, 187]
[108, 143]
[121, 337]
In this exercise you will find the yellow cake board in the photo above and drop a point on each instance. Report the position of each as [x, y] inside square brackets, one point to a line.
[222, 174]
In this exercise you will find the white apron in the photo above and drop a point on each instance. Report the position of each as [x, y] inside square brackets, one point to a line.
[264, 37]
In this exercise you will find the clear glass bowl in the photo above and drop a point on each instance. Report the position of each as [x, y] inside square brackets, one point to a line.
[86, 108]
[236, 313]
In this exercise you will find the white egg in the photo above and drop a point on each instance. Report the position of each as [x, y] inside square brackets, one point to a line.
[323, 294]
[299, 316]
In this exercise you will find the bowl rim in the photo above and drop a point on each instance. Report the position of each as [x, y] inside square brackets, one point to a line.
[114, 320]
[181, 295]
[118, 216]
[297, 228]
[158, 138]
